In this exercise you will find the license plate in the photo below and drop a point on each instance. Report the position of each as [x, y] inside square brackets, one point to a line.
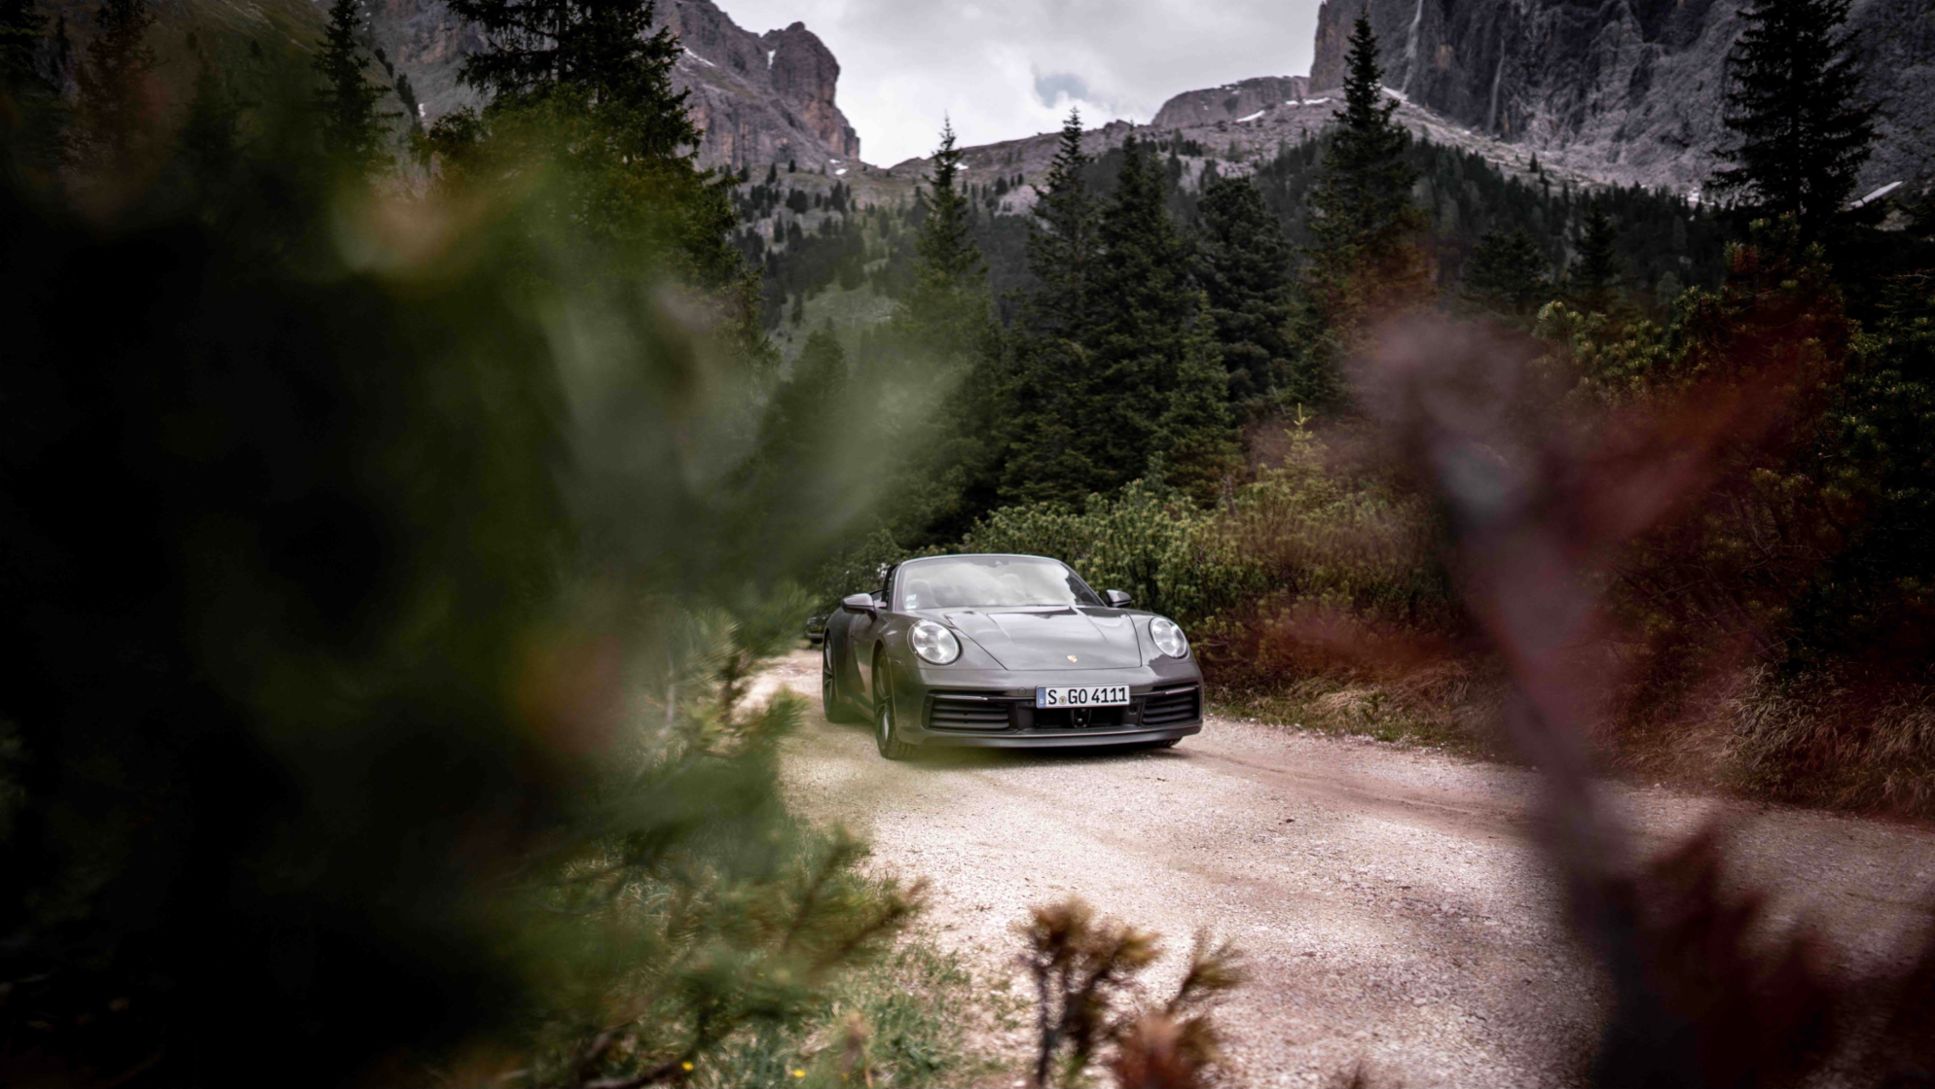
[1101, 695]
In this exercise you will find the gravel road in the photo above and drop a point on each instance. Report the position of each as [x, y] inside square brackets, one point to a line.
[1388, 904]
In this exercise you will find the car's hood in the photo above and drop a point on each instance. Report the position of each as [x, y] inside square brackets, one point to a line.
[1050, 637]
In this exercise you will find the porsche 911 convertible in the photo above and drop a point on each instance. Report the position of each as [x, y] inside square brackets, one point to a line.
[1005, 652]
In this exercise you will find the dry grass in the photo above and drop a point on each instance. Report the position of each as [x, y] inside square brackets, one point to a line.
[1826, 741]
[1085, 970]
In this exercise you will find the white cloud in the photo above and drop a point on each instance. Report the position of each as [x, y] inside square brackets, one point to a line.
[1009, 68]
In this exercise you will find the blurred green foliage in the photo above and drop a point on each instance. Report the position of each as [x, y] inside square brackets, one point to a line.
[382, 618]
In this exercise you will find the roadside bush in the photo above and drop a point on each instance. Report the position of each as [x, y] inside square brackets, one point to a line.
[1838, 739]
[1142, 539]
[1085, 973]
[1300, 531]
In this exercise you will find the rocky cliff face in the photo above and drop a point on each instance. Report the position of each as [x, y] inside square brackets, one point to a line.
[1625, 90]
[1231, 102]
[757, 98]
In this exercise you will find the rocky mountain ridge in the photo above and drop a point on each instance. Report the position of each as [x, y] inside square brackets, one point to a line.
[1240, 125]
[757, 98]
[1231, 101]
[1624, 90]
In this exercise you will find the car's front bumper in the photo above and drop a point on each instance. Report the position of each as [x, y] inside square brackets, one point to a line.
[996, 708]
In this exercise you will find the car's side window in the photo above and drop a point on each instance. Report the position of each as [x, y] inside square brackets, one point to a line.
[886, 593]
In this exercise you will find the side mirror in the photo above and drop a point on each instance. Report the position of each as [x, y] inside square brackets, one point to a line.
[1117, 599]
[858, 603]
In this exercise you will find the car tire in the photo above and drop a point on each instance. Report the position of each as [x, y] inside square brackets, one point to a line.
[832, 700]
[886, 735]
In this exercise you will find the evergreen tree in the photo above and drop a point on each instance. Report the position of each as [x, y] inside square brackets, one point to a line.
[30, 103]
[945, 332]
[1507, 273]
[1801, 130]
[801, 409]
[1148, 329]
[1243, 265]
[1362, 202]
[1198, 447]
[113, 105]
[21, 30]
[1046, 430]
[588, 84]
[1054, 379]
[1364, 256]
[1593, 280]
[210, 147]
[352, 129]
[604, 49]
[948, 257]
[1062, 242]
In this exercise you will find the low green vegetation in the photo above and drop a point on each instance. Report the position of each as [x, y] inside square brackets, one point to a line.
[916, 1017]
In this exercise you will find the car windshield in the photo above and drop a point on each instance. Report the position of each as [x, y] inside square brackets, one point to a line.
[971, 582]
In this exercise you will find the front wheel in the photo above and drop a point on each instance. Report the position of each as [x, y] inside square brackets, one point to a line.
[886, 732]
[831, 701]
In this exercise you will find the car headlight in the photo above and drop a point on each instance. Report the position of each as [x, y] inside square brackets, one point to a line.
[1168, 637]
[934, 643]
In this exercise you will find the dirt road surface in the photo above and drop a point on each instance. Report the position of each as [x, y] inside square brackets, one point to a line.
[1387, 900]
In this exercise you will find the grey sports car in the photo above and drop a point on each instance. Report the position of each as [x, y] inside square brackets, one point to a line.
[1005, 652]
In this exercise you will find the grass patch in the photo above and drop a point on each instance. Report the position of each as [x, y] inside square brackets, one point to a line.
[1343, 708]
[1838, 742]
[917, 1016]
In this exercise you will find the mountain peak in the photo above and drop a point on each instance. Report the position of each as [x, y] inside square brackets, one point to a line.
[1626, 92]
[757, 98]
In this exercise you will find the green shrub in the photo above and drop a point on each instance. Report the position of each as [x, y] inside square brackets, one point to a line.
[1301, 538]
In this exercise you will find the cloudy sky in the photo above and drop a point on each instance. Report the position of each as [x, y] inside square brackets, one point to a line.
[1009, 68]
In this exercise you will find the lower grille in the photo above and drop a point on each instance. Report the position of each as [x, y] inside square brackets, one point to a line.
[967, 713]
[1165, 708]
[972, 711]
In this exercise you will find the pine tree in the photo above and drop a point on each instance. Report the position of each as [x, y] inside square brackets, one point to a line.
[210, 146]
[114, 110]
[1062, 242]
[352, 128]
[590, 82]
[804, 406]
[1364, 258]
[1148, 328]
[21, 31]
[1362, 201]
[945, 313]
[1243, 266]
[1593, 280]
[948, 341]
[1047, 436]
[948, 257]
[1053, 377]
[30, 105]
[1198, 448]
[1507, 273]
[535, 48]
[1801, 130]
